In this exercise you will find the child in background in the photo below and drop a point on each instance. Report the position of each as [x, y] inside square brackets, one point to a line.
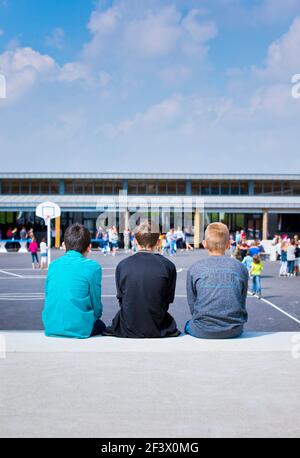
[248, 261]
[132, 242]
[165, 246]
[283, 260]
[105, 244]
[113, 240]
[291, 257]
[44, 253]
[33, 249]
[255, 272]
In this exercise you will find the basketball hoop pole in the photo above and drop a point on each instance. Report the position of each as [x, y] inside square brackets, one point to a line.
[48, 223]
[48, 211]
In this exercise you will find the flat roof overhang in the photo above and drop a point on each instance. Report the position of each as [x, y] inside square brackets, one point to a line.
[153, 176]
[233, 204]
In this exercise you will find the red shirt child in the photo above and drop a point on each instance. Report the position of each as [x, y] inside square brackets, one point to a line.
[33, 246]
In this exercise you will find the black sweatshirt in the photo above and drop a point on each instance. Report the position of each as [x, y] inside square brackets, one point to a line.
[145, 287]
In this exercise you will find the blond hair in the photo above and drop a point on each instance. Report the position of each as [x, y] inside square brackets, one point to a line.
[216, 237]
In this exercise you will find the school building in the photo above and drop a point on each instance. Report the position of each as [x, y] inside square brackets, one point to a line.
[262, 204]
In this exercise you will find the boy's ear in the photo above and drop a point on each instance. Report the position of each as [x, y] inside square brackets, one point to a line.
[228, 245]
[204, 244]
[89, 248]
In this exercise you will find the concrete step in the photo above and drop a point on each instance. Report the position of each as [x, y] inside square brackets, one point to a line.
[36, 342]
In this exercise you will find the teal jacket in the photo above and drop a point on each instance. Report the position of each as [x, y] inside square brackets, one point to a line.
[73, 296]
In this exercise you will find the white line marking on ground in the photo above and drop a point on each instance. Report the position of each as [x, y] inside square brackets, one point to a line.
[3, 298]
[20, 295]
[277, 308]
[20, 278]
[10, 273]
[33, 277]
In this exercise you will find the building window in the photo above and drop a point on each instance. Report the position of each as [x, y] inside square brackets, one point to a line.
[235, 189]
[162, 188]
[195, 188]
[205, 189]
[152, 188]
[225, 189]
[132, 187]
[215, 188]
[181, 188]
[244, 188]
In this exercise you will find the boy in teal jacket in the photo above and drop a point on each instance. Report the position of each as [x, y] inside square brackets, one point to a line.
[73, 306]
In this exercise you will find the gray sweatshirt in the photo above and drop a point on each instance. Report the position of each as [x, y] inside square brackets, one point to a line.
[217, 291]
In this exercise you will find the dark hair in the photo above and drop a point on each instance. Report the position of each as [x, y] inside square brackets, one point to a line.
[77, 238]
[147, 235]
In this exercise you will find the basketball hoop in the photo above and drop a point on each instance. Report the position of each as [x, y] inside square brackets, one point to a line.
[48, 211]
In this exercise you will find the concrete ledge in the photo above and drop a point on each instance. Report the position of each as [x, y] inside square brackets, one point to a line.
[36, 342]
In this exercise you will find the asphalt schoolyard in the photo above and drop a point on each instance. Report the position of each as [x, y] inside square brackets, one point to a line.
[22, 293]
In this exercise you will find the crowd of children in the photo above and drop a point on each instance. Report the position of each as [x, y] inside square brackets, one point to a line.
[288, 253]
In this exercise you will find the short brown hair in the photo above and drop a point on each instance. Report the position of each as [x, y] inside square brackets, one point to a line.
[216, 237]
[147, 234]
[77, 238]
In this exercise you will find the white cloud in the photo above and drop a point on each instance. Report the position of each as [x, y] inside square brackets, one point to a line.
[271, 11]
[158, 34]
[104, 21]
[157, 116]
[283, 58]
[198, 33]
[74, 71]
[274, 100]
[155, 34]
[23, 67]
[104, 79]
[56, 39]
[175, 74]
[101, 25]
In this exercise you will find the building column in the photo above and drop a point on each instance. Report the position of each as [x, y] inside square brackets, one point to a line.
[126, 219]
[251, 188]
[61, 187]
[125, 185]
[188, 188]
[265, 224]
[197, 229]
[57, 232]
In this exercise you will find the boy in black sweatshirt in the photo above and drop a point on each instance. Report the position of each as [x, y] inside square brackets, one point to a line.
[145, 288]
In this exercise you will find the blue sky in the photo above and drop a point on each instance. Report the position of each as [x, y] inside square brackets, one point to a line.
[152, 85]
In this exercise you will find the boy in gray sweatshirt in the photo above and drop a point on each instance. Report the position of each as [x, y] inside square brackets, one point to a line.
[217, 290]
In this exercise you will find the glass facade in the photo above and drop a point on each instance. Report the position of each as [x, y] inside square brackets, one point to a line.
[28, 187]
[219, 188]
[156, 187]
[284, 188]
[251, 222]
[149, 187]
[92, 187]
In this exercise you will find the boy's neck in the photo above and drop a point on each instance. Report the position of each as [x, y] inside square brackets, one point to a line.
[216, 253]
[148, 250]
